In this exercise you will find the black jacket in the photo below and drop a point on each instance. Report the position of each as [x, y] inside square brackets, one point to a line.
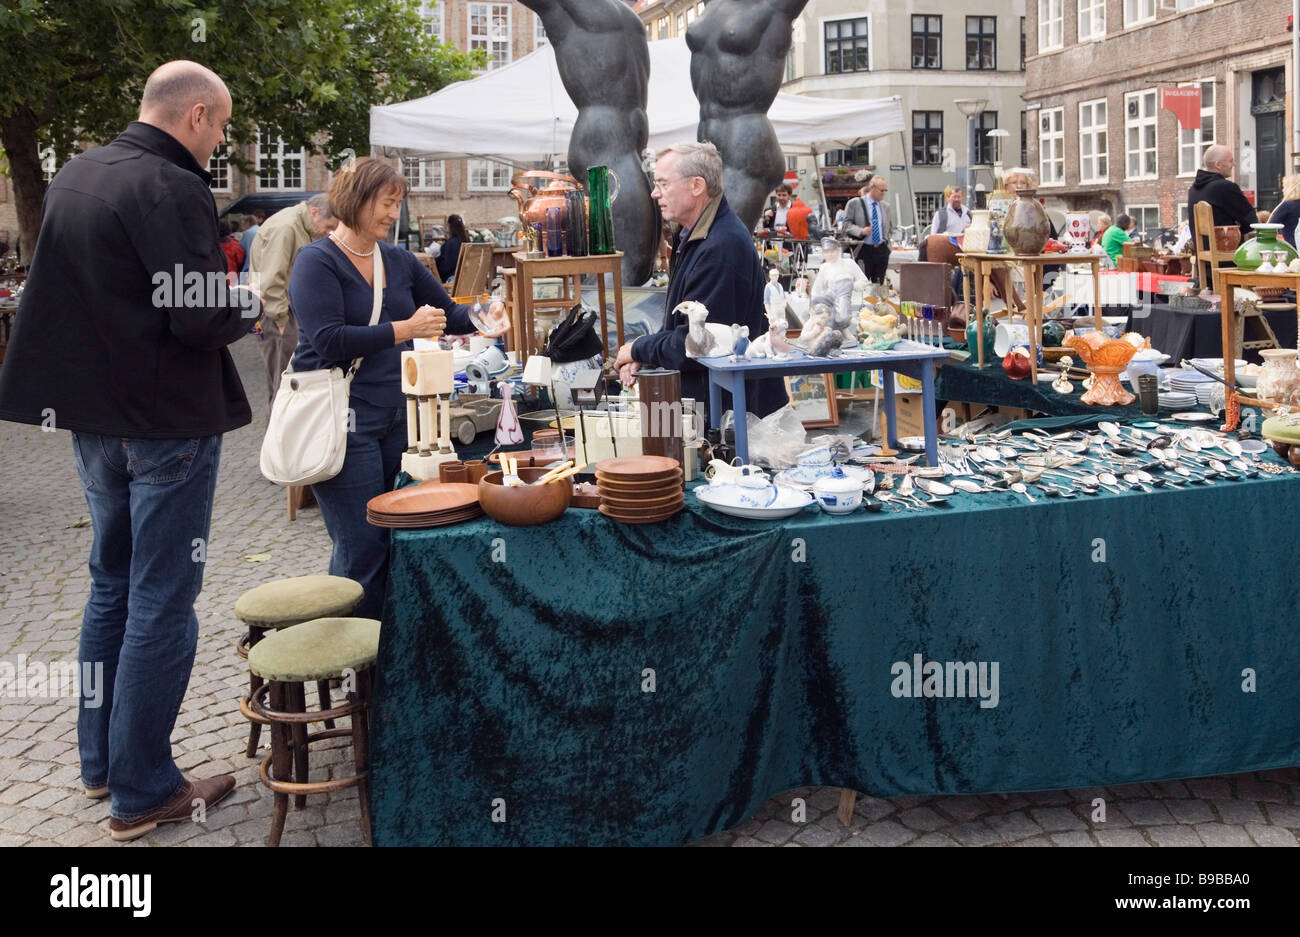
[1225, 197]
[719, 267]
[106, 336]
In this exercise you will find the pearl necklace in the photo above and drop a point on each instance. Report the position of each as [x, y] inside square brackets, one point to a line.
[339, 241]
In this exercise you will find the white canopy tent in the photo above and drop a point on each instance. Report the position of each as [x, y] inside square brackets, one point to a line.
[521, 113]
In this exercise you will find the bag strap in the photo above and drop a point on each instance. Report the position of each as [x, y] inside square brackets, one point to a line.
[379, 301]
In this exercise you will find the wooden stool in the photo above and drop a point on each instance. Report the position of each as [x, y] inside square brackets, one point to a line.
[320, 650]
[283, 604]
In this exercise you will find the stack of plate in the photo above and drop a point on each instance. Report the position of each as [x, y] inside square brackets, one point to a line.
[1177, 400]
[1188, 381]
[640, 489]
[432, 504]
[1203, 392]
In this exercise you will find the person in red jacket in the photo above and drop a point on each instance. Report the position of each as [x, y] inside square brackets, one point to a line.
[789, 217]
[234, 253]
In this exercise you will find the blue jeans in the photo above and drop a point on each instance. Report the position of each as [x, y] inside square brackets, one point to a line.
[150, 506]
[374, 457]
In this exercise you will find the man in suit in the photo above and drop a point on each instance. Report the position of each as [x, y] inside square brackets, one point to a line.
[873, 256]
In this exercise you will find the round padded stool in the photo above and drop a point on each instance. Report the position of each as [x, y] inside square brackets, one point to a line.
[324, 649]
[283, 604]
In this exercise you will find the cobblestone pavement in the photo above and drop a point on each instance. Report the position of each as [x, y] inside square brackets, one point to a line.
[43, 583]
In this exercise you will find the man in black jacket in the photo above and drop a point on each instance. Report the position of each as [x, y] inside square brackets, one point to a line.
[1225, 196]
[713, 262]
[121, 338]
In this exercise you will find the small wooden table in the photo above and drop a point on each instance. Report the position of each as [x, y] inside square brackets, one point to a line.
[982, 265]
[1229, 279]
[571, 269]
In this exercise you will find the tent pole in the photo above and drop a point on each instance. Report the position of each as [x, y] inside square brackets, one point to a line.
[911, 194]
[821, 187]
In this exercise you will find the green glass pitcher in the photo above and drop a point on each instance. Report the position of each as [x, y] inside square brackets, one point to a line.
[600, 209]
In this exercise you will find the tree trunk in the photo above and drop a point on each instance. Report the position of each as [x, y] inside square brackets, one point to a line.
[18, 137]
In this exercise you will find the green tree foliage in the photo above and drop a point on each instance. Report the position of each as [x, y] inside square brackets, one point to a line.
[71, 73]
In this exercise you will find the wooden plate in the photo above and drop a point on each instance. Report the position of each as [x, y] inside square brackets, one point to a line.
[416, 522]
[658, 480]
[639, 518]
[428, 498]
[639, 504]
[650, 489]
[636, 466]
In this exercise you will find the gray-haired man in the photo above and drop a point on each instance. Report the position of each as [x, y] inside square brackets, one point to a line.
[278, 241]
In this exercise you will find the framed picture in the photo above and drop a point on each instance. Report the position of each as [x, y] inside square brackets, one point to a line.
[813, 398]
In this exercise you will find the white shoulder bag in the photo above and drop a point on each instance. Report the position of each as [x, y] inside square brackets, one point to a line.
[307, 433]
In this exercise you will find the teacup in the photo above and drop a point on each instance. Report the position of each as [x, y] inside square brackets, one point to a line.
[817, 456]
[745, 496]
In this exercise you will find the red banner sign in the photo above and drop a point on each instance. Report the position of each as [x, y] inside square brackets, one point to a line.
[1185, 103]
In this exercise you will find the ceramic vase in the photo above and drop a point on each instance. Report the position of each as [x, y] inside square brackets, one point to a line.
[1249, 256]
[975, 240]
[990, 334]
[1027, 229]
[1279, 372]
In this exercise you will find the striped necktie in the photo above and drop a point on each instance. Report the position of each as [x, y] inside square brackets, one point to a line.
[875, 222]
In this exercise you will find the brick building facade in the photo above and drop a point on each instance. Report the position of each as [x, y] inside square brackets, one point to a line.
[1097, 135]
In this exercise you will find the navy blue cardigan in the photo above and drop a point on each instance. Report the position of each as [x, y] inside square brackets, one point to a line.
[332, 302]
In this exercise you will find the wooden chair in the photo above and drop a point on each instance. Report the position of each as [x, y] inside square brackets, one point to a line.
[1248, 313]
[473, 270]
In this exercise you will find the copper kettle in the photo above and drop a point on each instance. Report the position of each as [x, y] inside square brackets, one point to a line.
[534, 201]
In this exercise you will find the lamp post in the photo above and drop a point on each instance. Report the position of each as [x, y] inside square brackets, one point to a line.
[970, 108]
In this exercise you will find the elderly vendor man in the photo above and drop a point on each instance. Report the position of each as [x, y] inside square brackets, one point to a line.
[713, 262]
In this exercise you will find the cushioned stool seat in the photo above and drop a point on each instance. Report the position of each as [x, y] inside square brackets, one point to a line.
[284, 604]
[322, 649]
[1279, 429]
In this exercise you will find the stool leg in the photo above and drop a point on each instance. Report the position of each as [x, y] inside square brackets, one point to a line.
[254, 681]
[298, 730]
[323, 689]
[280, 764]
[361, 751]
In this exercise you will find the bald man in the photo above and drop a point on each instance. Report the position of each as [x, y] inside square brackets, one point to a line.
[121, 338]
[1225, 196]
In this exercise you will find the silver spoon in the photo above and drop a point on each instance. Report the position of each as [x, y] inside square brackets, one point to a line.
[1019, 488]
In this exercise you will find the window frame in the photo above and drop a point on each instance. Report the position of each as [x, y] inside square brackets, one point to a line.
[842, 160]
[427, 9]
[1058, 135]
[507, 44]
[1094, 130]
[983, 145]
[1045, 29]
[980, 36]
[926, 205]
[927, 130]
[281, 154]
[1093, 8]
[420, 163]
[1138, 123]
[1141, 17]
[925, 35]
[221, 157]
[492, 167]
[1198, 140]
[826, 44]
[1144, 207]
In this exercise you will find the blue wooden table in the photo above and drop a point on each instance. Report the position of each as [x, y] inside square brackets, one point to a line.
[907, 357]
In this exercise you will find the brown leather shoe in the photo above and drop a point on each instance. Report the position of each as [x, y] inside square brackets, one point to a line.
[210, 791]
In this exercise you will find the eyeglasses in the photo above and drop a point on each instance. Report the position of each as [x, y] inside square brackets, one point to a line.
[663, 184]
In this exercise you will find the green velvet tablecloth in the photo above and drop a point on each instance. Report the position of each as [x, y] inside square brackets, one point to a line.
[965, 381]
[515, 664]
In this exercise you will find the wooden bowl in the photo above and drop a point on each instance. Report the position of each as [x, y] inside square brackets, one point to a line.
[526, 506]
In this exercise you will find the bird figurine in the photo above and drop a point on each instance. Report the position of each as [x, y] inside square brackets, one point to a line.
[739, 341]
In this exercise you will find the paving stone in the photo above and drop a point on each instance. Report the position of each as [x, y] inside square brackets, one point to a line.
[856, 842]
[973, 833]
[1174, 836]
[1147, 812]
[1190, 811]
[776, 831]
[1248, 788]
[1072, 839]
[1034, 841]
[1238, 811]
[1013, 826]
[13, 839]
[216, 838]
[1283, 815]
[1120, 837]
[817, 836]
[53, 828]
[1271, 835]
[1052, 819]
[962, 808]
[17, 793]
[888, 833]
[1222, 834]
[349, 834]
[932, 839]
[872, 809]
[921, 818]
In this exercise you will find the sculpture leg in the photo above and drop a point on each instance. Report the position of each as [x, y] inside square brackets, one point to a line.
[745, 194]
[636, 221]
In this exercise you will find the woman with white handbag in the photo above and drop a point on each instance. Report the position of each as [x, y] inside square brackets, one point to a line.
[358, 297]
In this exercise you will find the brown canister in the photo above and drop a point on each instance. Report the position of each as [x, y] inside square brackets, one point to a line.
[476, 469]
[661, 412]
[453, 472]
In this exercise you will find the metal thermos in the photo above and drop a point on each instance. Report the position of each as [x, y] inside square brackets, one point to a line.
[661, 412]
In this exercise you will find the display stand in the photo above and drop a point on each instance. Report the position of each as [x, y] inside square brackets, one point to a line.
[1229, 279]
[570, 270]
[907, 357]
[982, 266]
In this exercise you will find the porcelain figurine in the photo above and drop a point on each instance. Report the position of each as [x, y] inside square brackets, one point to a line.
[739, 341]
[1062, 383]
[704, 339]
[774, 294]
[818, 338]
[838, 277]
[509, 432]
[796, 300]
[772, 343]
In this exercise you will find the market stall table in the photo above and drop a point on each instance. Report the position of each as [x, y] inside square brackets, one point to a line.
[586, 682]
[907, 357]
[1183, 332]
[1229, 279]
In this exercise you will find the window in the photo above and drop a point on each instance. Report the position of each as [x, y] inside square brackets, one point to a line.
[690, 16]
[1139, 11]
[1022, 43]
[1182, 214]
[1024, 138]
[1146, 217]
[1051, 24]
[425, 175]
[1140, 135]
[681, 25]
[539, 33]
[981, 43]
[486, 175]
[1192, 143]
[431, 12]
[789, 65]
[1093, 142]
[927, 203]
[986, 147]
[219, 168]
[927, 42]
[1051, 146]
[661, 27]
[1092, 20]
[857, 156]
[846, 46]
[927, 138]
[278, 167]
[489, 29]
[1192, 4]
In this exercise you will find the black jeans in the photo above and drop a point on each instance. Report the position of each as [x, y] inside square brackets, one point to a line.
[874, 259]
